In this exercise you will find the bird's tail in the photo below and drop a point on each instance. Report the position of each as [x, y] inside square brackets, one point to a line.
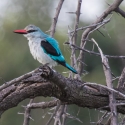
[70, 68]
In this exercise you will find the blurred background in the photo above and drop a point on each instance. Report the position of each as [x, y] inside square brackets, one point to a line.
[15, 58]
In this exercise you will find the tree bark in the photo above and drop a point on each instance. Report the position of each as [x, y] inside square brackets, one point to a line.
[48, 83]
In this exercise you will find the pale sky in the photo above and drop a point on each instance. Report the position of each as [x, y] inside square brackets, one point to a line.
[91, 9]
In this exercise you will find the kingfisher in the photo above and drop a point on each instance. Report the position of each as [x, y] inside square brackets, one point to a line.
[43, 47]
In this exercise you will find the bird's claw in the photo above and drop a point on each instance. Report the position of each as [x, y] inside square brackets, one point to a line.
[45, 71]
[40, 67]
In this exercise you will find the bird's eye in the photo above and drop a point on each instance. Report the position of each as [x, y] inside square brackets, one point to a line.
[30, 31]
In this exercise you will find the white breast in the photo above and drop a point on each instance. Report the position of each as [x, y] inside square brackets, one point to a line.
[38, 53]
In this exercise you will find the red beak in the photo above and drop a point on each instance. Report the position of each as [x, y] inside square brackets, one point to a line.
[20, 31]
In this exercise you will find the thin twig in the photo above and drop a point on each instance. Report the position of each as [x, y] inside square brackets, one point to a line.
[55, 19]
[108, 122]
[58, 115]
[77, 20]
[121, 81]
[90, 26]
[44, 105]
[115, 78]
[123, 121]
[72, 48]
[112, 100]
[95, 53]
[54, 113]
[74, 36]
[102, 118]
[73, 117]
[27, 116]
[84, 43]
[96, 28]
[64, 115]
[111, 8]
[120, 11]
[105, 87]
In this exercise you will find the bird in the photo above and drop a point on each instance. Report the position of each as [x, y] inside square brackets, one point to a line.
[43, 47]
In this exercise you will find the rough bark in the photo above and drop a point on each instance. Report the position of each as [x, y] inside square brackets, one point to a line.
[48, 83]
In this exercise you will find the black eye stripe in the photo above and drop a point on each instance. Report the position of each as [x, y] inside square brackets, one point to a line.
[30, 31]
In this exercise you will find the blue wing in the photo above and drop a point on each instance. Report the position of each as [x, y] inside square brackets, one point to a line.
[51, 47]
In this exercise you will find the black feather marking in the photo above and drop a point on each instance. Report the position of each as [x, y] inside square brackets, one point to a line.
[30, 31]
[62, 63]
[49, 48]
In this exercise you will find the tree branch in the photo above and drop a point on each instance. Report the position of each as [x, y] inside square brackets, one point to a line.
[86, 32]
[112, 100]
[95, 53]
[120, 11]
[121, 81]
[53, 26]
[53, 84]
[74, 36]
[43, 105]
[27, 114]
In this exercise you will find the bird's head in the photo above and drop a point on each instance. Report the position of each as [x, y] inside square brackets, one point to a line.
[31, 31]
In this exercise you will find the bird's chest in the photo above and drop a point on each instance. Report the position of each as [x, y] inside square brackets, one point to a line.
[38, 53]
[36, 50]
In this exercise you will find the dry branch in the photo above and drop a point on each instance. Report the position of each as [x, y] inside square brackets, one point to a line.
[74, 36]
[27, 114]
[43, 105]
[95, 53]
[86, 32]
[121, 82]
[53, 84]
[107, 72]
[55, 19]
[120, 11]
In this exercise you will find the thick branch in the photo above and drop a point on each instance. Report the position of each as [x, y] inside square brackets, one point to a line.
[53, 84]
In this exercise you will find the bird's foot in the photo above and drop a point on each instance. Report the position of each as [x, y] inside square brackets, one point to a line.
[43, 65]
[45, 70]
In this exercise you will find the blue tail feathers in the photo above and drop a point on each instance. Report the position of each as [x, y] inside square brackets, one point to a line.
[70, 68]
